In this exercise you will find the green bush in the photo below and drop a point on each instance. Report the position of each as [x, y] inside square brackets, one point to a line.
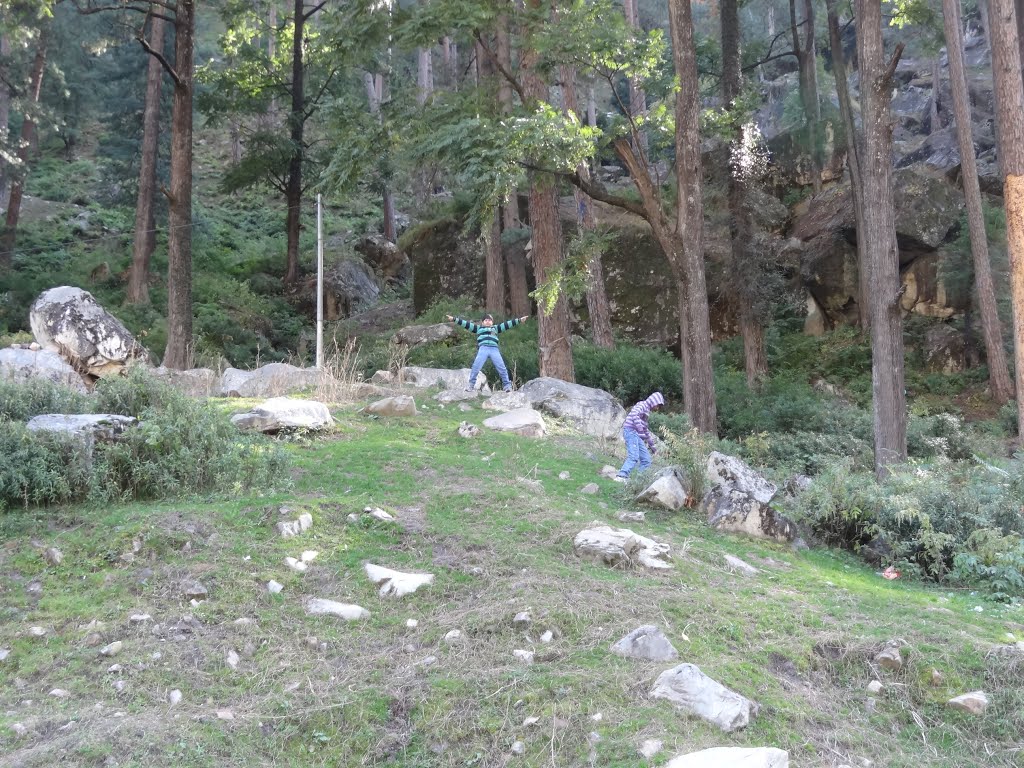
[629, 372]
[21, 401]
[39, 468]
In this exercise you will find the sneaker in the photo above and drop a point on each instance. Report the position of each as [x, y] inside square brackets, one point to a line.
[620, 479]
[507, 389]
[470, 389]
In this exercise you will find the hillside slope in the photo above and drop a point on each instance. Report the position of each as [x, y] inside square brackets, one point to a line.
[491, 518]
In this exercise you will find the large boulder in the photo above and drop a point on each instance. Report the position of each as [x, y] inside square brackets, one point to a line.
[592, 411]
[384, 257]
[446, 378]
[647, 643]
[691, 690]
[732, 757]
[669, 490]
[282, 413]
[945, 349]
[25, 365]
[620, 547]
[728, 470]
[734, 511]
[520, 421]
[70, 322]
[402, 405]
[195, 382]
[350, 287]
[414, 335]
[270, 380]
[102, 427]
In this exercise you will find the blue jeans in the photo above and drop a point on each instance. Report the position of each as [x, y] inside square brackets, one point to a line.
[482, 356]
[636, 453]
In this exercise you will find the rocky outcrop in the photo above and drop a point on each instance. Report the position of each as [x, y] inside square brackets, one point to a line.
[414, 335]
[733, 511]
[385, 258]
[350, 286]
[195, 382]
[284, 413]
[728, 470]
[592, 411]
[446, 378]
[26, 365]
[70, 322]
[270, 380]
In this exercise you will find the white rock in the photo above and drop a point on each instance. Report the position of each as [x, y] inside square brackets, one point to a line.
[397, 583]
[319, 607]
[412, 623]
[875, 686]
[114, 669]
[732, 757]
[648, 643]
[974, 703]
[597, 717]
[453, 637]
[305, 521]
[37, 631]
[521, 421]
[734, 511]
[620, 546]
[245, 621]
[728, 470]
[608, 471]
[667, 490]
[174, 697]
[741, 566]
[691, 690]
[547, 637]
[446, 378]
[524, 656]
[292, 528]
[631, 516]
[527, 722]
[4, 653]
[590, 489]
[379, 514]
[521, 619]
[518, 748]
[270, 380]
[296, 565]
[309, 556]
[19, 729]
[651, 747]
[274, 587]
[232, 659]
[591, 411]
[225, 714]
[506, 401]
[139, 618]
[564, 476]
[280, 413]
[22, 365]
[402, 405]
[60, 693]
[113, 649]
[449, 396]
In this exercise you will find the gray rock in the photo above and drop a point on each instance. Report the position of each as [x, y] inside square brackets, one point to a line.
[668, 490]
[112, 649]
[195, 591]
[506, 401]
[728, 470]
[590, 489]
[284, 413]
[522, 421]
[446, 378]
[396, 583]
[647, 643]
[271, 380]
[974, 703]
[691, 690]
[414, 335]
[732, 757]
[403, 405]
[945, 349]
[890, 657]
[741, 566]
[468, 430]
[70, 322]
[733, 511]
[90, 427]
[174, 697]
[449, 396]
[195, 382]
[620, 546]
[631, 516]
[320, 607]
[53, 556]
[24, 365]
[591, 411]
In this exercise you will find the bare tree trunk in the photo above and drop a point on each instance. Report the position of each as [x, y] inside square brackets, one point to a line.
[744, 272]
[424, 75]
[1006, 70]
[179, 239]
[5, 119]
[983, 15]
[637, 96]
[853, 153]
[296, 126]
[933, 107]
[28, 140]
[272, 47]
[375, 88]
[998, 373]
[807, 61]
[494, 270]
[889, 398]
[695, 325]
[145, 240]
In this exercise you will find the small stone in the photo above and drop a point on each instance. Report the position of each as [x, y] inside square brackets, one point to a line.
[522, 619]
[608, 471]
[120, 686]
[890, 658]
[225, 714]
[195, 591]
[518, 748]
[174, 697]
[740, 566]
[524, 656]
[590, 489]
[60, 693]
[19, 729]
[309, 556]
[453, 637]
[547, 637]
[320, 607]
[593, 737]
[113, 649]
[245, 621]
[379, 514]
[631, 516]
[411, 623]
[232, 659]
[114, 669]
[597, 717]
[564, 476]
[139, 618]
[313, 642]
[296, 565]
[53, 556]
[427, 661]
[870, 704]
[196, 603]
[4, 653]
[937, 678]
[37, 631]
[974, 703]
[651, 747]
[274, 587]
[530, 721]
[875, 686]
[353, 518]
[305, 521]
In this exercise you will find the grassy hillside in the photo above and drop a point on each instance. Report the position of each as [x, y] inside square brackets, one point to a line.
[491, 518]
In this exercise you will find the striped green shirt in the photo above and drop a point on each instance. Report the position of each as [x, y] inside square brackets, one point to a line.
[487, 336]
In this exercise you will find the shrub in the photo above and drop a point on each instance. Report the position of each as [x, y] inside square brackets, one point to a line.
[39, 468]
[20, 401]
[629, 372]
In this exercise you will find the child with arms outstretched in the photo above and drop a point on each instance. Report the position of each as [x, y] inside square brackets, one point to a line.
[487, 346]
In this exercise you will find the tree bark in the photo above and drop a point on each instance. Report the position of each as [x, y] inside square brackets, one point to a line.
[28, 140]
[494, 301]
[5, 119]
[853, 153]
[637, 96]
[889, 398]
[998, 373]
[424, 75]
[695, 325]
[179, 238]
[1006, 70]
[272, 48]
[933, 107]
[744, 271]
[296, 126]
[375, 95]
[145, 235]
[515, 263]
[807, 63]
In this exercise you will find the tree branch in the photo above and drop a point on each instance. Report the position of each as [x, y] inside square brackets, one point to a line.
[141, 37]
[516, 86]
[313, 10]
[88, 10]
[890, 70]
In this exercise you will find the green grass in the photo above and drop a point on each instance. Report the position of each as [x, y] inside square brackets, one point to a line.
[493, 521]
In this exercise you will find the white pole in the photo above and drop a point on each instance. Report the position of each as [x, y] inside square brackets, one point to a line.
[319, 284]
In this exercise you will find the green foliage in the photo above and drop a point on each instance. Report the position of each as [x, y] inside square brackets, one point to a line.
[22, 401]
[629, 372]
[572, 278]
[39, 468]
[685, 447]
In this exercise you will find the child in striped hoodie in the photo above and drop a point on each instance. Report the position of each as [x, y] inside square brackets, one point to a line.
[487, 346]
[639, 441]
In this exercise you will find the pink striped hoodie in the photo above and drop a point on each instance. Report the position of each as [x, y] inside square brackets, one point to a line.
[637, 418]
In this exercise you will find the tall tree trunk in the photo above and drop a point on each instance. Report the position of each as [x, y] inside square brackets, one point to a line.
[998, 373]
[272, 48]
[145, 235]
[889, 398]
[424, 75]
[983, 16]
[546, 229]
[695, 325]
[933, 106]
[744, 272]
[296, 126]
[1006, 70]
[853, 153]
[375, 88]
[494, 267]
[179, 238]
[28, 140]
[808, 71]
[637, 96]
[5, 119]
[515, 262]
[597, 297]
